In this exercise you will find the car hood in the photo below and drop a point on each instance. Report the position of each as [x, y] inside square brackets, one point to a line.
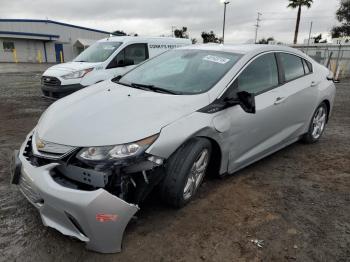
[110, 114]
[62, 69]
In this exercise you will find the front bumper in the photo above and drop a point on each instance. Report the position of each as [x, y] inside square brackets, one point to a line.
[95, 217]
[59, 91]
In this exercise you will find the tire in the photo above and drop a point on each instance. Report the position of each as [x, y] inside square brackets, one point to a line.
[317, 125]
[178, 175]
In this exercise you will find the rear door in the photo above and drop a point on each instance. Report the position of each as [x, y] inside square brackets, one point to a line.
[127, 58]
[252, 136]
[298, 97]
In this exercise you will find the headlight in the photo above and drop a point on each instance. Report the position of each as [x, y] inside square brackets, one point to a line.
[77, 74]
[102, 153]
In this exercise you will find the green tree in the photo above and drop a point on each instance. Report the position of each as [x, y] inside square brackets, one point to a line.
[318, 39]
[266, 41]
[210, 37]
[194, 41]
[298, 4]
[181, 33]
[343, 16]
[119, 33]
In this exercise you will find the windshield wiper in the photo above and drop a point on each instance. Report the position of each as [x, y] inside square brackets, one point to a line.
[154, 88]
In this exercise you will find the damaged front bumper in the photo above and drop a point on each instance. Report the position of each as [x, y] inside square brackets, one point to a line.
[95, 217]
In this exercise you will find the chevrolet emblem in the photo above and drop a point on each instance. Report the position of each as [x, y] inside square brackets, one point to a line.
[40, 144]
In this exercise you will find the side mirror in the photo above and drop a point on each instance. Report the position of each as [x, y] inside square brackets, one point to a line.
[244, 99]
[247, 101]
[234, 97]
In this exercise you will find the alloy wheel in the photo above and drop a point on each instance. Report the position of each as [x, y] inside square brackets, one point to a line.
[196, 174]
[318, 123]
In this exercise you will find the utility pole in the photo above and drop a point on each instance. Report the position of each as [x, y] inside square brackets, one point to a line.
[308, 41]
[223, 26]
[257, 27]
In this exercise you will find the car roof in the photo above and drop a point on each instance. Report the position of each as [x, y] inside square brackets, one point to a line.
[243, 49]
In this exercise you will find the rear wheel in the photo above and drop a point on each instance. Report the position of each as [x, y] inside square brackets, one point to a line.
[317, 125]
[185, 171]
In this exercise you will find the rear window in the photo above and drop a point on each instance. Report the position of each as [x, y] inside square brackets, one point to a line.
[293, 66]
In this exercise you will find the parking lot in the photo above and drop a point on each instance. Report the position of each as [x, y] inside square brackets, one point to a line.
[297, 201]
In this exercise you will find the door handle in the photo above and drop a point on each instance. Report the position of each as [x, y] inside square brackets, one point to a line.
[279, 100]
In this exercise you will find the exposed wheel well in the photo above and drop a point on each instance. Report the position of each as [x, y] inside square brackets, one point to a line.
[328, 107]
[215, 160]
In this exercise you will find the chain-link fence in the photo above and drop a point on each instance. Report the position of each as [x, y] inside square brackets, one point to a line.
[335, 57]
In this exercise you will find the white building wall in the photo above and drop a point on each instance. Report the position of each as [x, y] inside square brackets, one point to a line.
[27, 47]
[27, 50]
[50, 51]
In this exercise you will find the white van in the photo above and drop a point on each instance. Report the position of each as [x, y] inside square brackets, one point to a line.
[105, 59]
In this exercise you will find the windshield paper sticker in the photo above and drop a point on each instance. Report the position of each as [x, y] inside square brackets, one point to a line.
[108, 47]
[216, 59]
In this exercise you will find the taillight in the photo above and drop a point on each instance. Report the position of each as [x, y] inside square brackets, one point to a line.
[330, 76]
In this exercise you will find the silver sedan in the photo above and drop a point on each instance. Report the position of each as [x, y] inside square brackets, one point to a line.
[96, 154]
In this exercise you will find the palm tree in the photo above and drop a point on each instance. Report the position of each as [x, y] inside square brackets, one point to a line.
[298, 4]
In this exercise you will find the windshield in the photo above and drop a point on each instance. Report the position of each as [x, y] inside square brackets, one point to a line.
[182, 71]
[98, 52]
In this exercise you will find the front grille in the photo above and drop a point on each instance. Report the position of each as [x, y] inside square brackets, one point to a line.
[29, 191]
[55, 149]
[29, 155]
[49, 149]
[50, 81]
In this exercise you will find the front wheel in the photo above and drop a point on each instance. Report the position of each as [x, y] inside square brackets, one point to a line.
[317, 125]
[185, 171]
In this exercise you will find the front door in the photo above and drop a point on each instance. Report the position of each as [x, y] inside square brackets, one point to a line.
[252, 136]
[127, 58]
[59, 53]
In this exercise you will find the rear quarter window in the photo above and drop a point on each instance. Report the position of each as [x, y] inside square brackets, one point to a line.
[309, 65]
[306, 67]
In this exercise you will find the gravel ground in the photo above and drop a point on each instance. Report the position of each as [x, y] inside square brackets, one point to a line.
[297, 201]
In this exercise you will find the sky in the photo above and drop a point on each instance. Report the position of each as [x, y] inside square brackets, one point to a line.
[157, 17]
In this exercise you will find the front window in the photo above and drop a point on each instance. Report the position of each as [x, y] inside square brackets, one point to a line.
[98, 52]
[259, 76]
[130, 55]
[183, 71]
